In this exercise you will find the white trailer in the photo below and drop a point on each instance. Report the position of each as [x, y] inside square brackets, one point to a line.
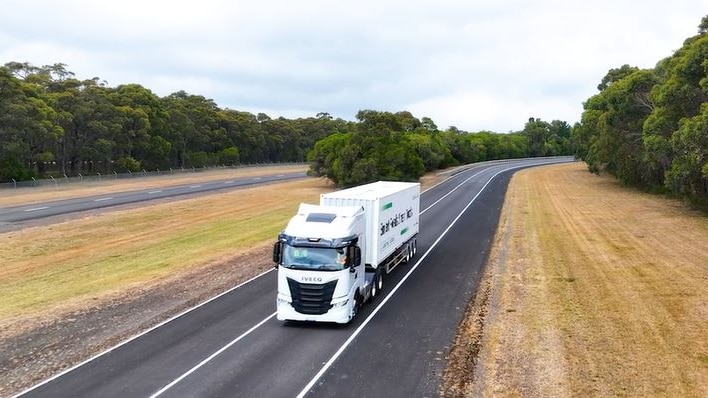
[332, 257]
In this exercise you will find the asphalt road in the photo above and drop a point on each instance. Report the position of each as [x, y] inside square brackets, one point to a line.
[16, 214]
[232, 346]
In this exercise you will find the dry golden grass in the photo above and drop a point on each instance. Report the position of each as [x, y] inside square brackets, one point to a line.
[65, 266]
[594, 290]
[20, 196]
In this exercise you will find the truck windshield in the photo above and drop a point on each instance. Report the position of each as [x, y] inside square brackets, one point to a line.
[314, 258]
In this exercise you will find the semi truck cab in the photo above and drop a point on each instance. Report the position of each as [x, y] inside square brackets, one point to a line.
[321, 276]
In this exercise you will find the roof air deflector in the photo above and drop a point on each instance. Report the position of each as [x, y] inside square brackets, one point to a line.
[321, 217]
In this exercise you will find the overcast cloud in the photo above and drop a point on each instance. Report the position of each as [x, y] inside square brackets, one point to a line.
[476, 65]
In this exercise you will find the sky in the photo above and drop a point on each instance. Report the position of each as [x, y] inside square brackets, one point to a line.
[475, 64]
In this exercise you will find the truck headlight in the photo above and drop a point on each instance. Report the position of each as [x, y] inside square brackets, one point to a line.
[340, 303]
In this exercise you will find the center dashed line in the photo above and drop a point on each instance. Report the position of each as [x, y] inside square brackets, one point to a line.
[38, 208]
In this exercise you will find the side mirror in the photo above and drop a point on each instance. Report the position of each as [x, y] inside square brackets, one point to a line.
[354, 256]
[277, 251]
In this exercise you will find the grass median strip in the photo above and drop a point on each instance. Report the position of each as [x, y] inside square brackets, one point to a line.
[67, 264]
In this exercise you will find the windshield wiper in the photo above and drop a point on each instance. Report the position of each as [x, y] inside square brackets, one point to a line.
[328, 268]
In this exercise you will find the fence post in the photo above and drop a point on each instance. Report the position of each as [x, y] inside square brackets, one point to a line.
[54, 181]
[158, 171]
[14, 183]
[34, 182]
[81, 178]
[99, 176]
[115, 174]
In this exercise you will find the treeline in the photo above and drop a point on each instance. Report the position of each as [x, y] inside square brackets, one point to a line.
[53, 124]
[398, 146]
[649, 127]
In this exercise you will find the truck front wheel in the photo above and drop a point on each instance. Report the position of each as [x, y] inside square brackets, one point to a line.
[355, 306]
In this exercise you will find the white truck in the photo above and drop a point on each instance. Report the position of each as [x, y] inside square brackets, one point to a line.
[332, 257]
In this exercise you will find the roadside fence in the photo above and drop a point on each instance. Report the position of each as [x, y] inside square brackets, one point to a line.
[98, 177]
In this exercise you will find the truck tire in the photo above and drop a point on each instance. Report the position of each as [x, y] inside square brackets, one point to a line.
[374, 287]
[379, 281]
[357, 304]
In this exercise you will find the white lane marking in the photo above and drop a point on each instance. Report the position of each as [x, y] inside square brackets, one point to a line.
[38, 208]
[102, 199]
[195, 186]
[163, 323]
[453, 190]
[358, 330]
[228, 182]
[212, 356]
[153, 192]
[256, 178]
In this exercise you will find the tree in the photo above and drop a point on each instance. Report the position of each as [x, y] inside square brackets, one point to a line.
[616, 74]
[687, 175]
[27, 128]
[195, 129]
[617, 115]
[145, 126]
[229, 156]
[537, 133]
[703, 27]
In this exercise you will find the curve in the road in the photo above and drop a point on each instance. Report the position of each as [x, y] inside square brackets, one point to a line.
[196, 353]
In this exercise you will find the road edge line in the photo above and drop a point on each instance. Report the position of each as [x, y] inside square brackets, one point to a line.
[137, 336]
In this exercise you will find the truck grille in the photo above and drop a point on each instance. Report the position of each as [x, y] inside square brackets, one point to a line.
[311, 299]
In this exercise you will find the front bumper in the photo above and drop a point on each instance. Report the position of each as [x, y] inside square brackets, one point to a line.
[286, 312]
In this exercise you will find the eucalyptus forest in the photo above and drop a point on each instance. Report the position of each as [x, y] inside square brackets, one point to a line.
[649, 127]
[54, 124]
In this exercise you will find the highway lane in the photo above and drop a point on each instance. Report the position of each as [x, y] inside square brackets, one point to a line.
[419, 328]
[34, 211]
[232, 346]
